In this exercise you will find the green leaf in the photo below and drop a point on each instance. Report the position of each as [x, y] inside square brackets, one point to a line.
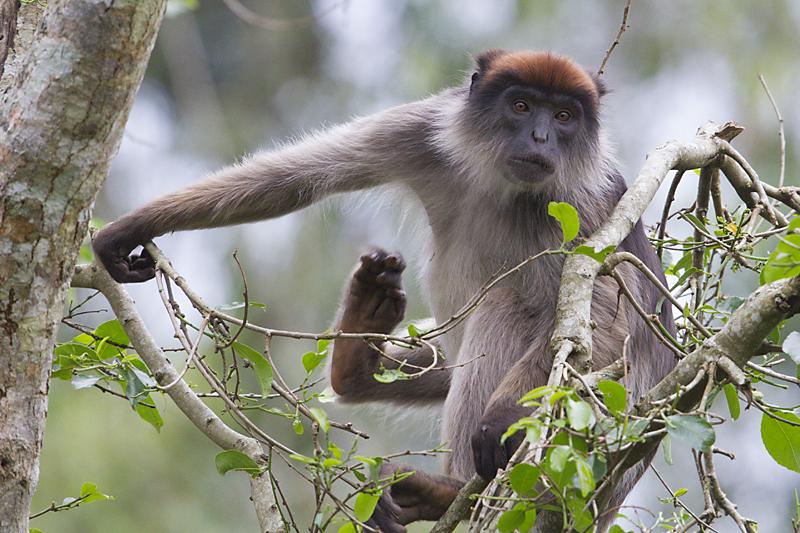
[365, 505]
[303, 458]
[113, 331]
[791, 346]
[784, 261]
[535, 394]
[523, 478]
[782, 440]
[150, 415]
[413, 331]
[335, 450]
[594, 254]
[322, 346]
[311, 360]
[696, 221]
[680, 492]
[582, 517]
[530, 520]
[35, 530]
[567, 217]
[511, 520]
[89, 494]
[614, 396]
[558, 457]
[347, 528]
[527, 423]
[321, 417]
[692, 429]
[580, 415]
[585, 476]
[237, 461]
[260, 364]
[390, 375]
[134, 388]
[667, 444]
[298, 426]
[74, 349]
[82, 382]
[733, 400]
[616, 529]
[331, 462]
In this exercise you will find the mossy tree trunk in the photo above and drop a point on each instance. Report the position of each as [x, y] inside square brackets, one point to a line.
[64, 99]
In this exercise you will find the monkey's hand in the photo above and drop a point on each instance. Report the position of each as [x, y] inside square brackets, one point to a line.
[114, 248]
[419, 496]
[375, 301]
[489, 453]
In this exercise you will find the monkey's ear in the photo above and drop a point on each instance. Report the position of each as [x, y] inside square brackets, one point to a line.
[602, 88]
[483, 63]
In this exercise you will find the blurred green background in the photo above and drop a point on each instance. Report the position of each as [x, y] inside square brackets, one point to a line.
[218, 88]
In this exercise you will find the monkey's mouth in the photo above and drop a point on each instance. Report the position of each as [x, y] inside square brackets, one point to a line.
[531, 167]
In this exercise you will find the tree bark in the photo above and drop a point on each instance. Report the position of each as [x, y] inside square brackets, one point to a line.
[61, 121]
[8, 28]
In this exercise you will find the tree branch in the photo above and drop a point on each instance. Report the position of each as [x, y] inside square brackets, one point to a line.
[94, 277]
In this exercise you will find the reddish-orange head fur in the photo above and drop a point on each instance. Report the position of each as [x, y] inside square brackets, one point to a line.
[544, 70]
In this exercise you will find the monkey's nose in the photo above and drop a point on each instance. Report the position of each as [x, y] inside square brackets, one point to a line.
[540, 137]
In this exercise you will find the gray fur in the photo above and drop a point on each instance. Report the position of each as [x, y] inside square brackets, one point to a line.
[480, 222]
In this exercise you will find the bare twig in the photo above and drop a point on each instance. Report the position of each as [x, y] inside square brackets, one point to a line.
[781, 133]
[662, 227]
[254, 19]
[745, 525]
[95, 277]
[622, 28]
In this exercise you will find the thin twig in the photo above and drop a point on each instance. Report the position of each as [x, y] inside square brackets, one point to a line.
[189, 357]
[254, 19]
[745, 525]
[622, 28]
[781, 133]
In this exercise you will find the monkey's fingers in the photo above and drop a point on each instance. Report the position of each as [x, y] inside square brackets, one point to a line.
[489, 455]
[113, 254]
[386, 515]
[392, 307]
[377, 262]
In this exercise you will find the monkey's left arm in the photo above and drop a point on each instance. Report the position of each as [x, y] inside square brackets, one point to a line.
[374, 302]
[363, 153]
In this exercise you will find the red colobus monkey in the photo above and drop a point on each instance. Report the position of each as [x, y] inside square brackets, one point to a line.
[484, 160]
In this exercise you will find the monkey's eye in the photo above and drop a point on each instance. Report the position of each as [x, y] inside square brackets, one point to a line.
[520, 106]
[563, 116]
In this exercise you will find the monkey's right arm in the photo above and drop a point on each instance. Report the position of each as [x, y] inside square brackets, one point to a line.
[363, 153]
[374, 302]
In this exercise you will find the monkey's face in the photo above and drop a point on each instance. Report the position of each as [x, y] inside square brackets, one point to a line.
[539, 114]
[540, 129]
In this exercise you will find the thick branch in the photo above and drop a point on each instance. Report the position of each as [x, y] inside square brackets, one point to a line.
[739, 340]
[573, 310]
[185, 399]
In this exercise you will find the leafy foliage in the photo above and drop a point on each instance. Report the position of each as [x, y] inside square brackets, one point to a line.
[567, 216]
[780, 434]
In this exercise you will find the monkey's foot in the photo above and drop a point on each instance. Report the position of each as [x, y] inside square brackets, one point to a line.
[420, 496]
[375, 301]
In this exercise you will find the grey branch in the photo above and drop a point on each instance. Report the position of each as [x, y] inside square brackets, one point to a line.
[185, 399]
[746, 329]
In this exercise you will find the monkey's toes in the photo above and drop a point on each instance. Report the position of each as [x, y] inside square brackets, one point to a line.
[381, 268]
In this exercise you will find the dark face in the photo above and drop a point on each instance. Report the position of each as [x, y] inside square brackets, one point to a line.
[541, 128]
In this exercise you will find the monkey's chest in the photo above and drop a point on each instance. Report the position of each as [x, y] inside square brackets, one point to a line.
[470, 256]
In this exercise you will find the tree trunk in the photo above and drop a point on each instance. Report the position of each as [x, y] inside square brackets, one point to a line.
[8, 27]
[61, 121]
